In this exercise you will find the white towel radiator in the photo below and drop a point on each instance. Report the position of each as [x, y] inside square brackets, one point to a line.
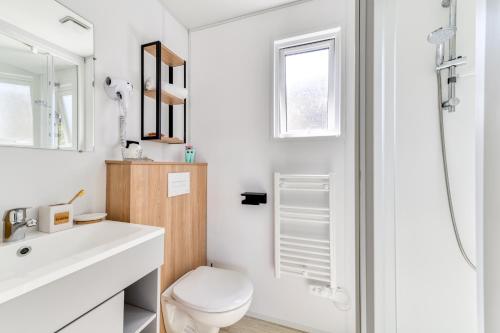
[304, 227]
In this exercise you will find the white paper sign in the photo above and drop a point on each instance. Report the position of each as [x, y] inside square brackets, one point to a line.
[179, 183]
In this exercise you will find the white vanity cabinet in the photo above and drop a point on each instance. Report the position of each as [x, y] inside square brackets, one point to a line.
[107, 317]
[96, 278]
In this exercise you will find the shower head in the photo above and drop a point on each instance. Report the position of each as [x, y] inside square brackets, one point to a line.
[441, 35]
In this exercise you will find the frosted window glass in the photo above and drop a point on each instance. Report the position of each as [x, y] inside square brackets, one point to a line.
[307, 90]
[16, 115]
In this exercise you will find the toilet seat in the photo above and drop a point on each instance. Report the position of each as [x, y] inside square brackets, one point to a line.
[213, 290]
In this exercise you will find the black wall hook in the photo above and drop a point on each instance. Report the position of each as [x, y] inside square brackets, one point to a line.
[253, 198]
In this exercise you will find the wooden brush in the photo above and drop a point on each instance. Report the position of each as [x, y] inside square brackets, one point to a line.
[80, 193]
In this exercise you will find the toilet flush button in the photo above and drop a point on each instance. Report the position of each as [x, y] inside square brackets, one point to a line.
[179, 183]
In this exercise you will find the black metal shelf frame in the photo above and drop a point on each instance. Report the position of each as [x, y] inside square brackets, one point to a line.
[158, 69]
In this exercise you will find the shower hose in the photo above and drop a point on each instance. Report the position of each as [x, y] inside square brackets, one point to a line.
[446, 173]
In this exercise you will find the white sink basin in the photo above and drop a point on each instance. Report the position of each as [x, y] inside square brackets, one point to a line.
[70, 272]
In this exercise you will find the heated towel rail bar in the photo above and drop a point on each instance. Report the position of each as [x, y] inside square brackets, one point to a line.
[304, 227]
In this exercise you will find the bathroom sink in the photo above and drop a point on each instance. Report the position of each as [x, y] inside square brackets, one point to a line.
[54, 278]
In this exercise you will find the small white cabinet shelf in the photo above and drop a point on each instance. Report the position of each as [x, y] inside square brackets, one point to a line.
[142, 305]
[136, 319]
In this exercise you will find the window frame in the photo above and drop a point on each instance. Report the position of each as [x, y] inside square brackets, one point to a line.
[327, 39]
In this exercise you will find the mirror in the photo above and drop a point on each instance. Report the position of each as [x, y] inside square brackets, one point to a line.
[46, 76]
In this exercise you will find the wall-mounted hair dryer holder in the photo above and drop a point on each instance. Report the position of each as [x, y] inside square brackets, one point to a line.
[254, 198]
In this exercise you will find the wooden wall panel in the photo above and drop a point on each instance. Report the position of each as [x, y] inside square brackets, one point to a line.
[118, 192]
[142, 191]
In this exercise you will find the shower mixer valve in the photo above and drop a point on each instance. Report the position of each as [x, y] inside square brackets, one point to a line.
[450, 65]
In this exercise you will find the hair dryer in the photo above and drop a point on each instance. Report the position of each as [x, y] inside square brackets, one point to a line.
[119, 90]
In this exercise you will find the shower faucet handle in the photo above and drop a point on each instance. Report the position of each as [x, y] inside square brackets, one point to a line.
[445, 3]
[459, 61]
[451, 103]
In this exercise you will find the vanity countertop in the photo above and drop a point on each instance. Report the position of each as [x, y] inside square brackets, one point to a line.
[59, 254]
[146, 162]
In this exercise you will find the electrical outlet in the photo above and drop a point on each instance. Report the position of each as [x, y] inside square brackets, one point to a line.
[338, 296]
[321, 291]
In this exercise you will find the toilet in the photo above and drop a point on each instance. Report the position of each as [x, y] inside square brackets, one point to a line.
[206, 299]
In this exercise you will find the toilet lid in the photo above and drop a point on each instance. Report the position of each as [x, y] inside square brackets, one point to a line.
[211, 289]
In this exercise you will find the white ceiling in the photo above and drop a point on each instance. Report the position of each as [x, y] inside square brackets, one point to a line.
[197, 13]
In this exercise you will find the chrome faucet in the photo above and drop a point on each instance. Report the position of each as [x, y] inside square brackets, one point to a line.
[16, 223]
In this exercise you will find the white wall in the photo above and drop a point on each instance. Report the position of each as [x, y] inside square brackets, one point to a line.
[428, 285]
[31, 177]
[491, 170]
[231, 105]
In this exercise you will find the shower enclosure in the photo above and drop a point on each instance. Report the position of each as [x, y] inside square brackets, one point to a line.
[427, 167]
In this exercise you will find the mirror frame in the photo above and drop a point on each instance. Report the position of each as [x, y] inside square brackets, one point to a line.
[86, 98]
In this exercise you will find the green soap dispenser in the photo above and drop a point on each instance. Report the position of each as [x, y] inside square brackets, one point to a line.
[189, 154]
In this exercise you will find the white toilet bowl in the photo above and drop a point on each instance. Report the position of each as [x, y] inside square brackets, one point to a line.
[206, 299]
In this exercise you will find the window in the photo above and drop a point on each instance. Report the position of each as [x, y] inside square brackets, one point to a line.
[16, 114]
[307, 85]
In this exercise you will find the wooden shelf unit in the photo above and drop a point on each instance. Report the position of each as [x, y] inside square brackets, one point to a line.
[166, 98]
[168, 57]
[165, 139]
[163, 56]
[172, 141]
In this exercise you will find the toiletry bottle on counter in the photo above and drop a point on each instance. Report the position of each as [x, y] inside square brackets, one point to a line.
[189, 154]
